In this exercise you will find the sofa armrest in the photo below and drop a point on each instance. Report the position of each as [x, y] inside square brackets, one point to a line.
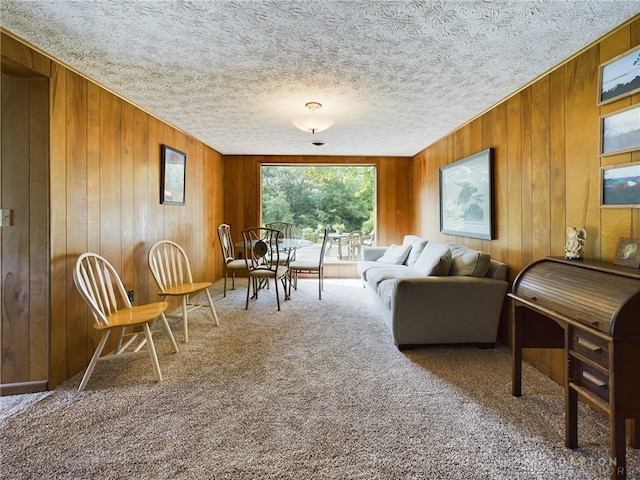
[448, 308]
[372, 253]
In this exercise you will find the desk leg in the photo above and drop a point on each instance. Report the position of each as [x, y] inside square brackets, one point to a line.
[570, 417]
[516, 345]
[618, 459]
[634, 432]
[340, 248]
[570, 398]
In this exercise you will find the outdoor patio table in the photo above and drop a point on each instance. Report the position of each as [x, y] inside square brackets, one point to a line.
[338, 236]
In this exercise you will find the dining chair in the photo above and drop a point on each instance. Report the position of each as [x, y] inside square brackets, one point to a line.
[310, 266]
[287, 231]
[354, 244]
[170, 268]
[230, 263]
[101, 288]
[263, 247]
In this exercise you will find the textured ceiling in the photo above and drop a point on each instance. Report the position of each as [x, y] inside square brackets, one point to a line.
[395, 75]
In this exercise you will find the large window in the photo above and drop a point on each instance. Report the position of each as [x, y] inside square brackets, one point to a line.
[313, 197]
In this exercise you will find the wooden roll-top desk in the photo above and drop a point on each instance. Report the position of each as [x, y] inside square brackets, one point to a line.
[592, 311]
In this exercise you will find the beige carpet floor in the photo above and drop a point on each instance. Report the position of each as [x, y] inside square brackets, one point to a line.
[316, 391]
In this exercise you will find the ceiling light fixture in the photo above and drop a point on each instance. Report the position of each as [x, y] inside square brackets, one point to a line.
[313, 123]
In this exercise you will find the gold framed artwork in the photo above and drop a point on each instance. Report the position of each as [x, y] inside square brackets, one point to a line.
[619, 76]
[620, 185]
[628, 252]
[620, 131]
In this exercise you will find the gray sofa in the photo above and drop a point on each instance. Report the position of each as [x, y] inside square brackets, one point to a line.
[435, 293]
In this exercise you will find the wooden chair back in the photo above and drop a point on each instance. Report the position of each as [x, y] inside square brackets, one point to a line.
[100, 286]
[169, 265]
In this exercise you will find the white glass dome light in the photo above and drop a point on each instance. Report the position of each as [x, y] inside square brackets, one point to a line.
[313, 123]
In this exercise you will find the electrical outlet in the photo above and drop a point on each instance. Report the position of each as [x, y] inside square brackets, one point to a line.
[130, 295]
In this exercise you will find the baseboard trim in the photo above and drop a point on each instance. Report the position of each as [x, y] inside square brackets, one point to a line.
[19, 388]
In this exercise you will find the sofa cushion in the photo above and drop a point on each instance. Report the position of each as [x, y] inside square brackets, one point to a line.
[386, 291]
[416, 250]
[468, 262]
[395, 254]
[435, 259]
[375, 276]
[364, 267]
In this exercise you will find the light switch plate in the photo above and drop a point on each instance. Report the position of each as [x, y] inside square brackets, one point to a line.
[7, 217]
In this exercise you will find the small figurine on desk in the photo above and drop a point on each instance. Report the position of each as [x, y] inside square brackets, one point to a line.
[573, 250]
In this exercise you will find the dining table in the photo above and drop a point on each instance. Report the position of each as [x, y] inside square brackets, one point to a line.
[286, 244]
[289, 244]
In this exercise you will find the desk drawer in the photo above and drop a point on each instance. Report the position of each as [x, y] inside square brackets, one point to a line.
[594, 348]
[590, 379]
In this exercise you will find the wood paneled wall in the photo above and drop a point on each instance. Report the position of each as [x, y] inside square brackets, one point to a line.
[393, 191]
[547, 170]
[104, 180]
[24, 259]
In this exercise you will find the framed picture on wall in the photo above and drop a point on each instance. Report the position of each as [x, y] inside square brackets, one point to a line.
[628, 252]
[466, 196]
[619, 76]
[620, 185]
[620, 131]
[172, 176]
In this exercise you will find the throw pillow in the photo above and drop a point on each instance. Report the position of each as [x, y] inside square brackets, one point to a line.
[395, 254]
[469, 262]
[435, 259]
[416, 250]
[410, 239]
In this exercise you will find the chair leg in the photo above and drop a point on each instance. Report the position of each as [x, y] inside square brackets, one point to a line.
[224, 293]
[167, 330]
[251, 280]
[118, 348]
[277, 295]
[284, 279]
[152, 352]
[94, 359]
[213, 310]
[185, 327]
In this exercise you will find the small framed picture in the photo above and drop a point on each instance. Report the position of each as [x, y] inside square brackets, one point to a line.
[620, 185]
[172, 176]
[628, 253]
[620, 131]
[619, 76]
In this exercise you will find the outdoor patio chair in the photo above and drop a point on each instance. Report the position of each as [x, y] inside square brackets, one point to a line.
[354, 244]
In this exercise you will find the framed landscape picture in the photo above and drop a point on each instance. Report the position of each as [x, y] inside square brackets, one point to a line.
[466, 196]
[620, 131]
[620, 76]
[172, 176]
[620, 185]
